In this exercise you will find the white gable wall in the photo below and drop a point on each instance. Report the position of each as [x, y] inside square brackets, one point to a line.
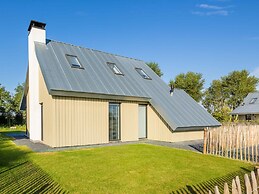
[35, 35]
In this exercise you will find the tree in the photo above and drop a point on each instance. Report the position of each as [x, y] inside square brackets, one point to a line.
[5, 106]
[155, 67]
[215, 101]
[237, 85]
[19, 115]
[18, 97]
[227, 93]
[192, 83]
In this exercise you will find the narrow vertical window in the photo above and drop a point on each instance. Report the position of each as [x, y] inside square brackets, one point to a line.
[114, 121]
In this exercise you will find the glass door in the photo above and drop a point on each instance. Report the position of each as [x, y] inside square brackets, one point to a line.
[114, 121]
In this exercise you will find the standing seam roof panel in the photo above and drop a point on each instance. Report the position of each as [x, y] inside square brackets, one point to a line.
[179, 110]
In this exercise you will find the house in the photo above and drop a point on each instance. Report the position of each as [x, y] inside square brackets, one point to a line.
[249, 109]
[80, 96]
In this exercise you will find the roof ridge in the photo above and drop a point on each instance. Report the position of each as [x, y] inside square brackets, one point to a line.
[49, 40]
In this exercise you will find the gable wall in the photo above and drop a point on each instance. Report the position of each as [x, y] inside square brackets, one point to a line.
[48, 110]
[160, 131]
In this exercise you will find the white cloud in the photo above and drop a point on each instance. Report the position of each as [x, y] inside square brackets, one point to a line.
[207, 6]
[210, 13]
[209, 10]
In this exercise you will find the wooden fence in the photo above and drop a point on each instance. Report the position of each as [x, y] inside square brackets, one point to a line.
[233, 141]
[251, 185]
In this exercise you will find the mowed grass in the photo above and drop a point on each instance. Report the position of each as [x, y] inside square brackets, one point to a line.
[136, 168]
[139, 168]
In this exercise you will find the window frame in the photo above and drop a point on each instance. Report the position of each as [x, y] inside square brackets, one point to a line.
[110, 64]
[138, 69]
[73, 66]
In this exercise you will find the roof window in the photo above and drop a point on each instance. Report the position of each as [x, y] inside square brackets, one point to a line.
[114, 68]
[73, 61]
[142, 73]
[253, 100]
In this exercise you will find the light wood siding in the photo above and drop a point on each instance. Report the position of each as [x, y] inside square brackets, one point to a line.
[48, 112]
[129, 121]
[159, 130]
[80, 121]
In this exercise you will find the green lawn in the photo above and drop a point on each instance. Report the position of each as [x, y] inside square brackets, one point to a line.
[137, 168]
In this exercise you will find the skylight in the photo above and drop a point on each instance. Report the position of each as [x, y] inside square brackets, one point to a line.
[114, 68]
[73, 61]
[253, 100]
[142, 73]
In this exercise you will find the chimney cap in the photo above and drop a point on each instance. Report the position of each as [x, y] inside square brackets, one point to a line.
[36, 24]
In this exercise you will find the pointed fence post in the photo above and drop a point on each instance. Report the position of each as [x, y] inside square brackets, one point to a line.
[205, 141]
[254, 183]
[216, 190]
[234, 187]
[239, 190]
[226, 190]
[247, 185]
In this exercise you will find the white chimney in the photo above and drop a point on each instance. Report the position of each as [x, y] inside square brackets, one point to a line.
[37, 33]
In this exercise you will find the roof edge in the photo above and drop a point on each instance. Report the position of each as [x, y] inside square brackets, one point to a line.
[194, 128]
[56, 92]
[82, 47]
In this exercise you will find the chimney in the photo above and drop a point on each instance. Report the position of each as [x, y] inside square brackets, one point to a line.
[37, 31]
[172, 89]
[36, 34]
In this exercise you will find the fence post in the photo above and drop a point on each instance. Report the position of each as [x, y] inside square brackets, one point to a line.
[239, 191]
[254, 183]
[205, 141]
[216, 190]
[247, 185]
[226, 190]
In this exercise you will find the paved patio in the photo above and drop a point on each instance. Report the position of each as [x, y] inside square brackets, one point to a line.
[21, 140]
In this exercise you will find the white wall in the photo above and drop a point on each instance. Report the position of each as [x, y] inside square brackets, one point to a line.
[35, 35]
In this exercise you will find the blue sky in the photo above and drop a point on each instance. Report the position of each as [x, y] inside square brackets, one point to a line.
[212, 37]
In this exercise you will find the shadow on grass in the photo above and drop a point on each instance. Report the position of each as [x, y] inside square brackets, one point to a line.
[19, 175]
[204, 187]
[27, 178]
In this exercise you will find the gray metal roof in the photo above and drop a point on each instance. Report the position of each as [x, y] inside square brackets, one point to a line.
[246, 107]
[179, 111]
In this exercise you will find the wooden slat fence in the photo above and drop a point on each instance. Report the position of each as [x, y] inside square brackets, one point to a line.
[233, 141]
[251, 185]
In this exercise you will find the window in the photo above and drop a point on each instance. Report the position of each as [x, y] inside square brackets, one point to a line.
[248, 117]
[142, 73]
[253, 101]
[73, 61]
[114, 68]
[114, 121]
